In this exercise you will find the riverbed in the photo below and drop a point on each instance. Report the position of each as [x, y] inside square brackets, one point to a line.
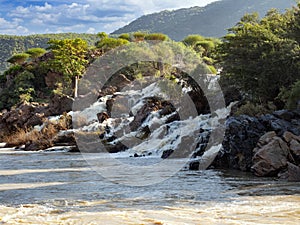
[62, 188]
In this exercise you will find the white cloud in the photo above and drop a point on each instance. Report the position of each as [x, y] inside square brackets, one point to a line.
[12, 27]
[43, 8]
[91, 30]
[85, 16]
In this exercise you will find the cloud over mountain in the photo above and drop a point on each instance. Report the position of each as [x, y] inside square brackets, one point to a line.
[35, 16]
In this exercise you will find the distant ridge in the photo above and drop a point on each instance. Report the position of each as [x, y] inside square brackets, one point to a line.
[211, 20]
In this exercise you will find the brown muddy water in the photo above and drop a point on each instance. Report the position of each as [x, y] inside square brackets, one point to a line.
[62, 188]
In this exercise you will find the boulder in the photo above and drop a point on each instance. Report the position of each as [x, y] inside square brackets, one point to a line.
[292, 173]
[270, 156]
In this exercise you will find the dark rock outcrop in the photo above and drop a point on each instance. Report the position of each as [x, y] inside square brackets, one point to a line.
[243, 133]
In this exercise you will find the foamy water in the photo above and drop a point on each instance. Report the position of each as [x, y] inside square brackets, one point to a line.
[61, 188]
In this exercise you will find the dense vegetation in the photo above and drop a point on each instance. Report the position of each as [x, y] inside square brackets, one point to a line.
[10, 44]
[210, 21]
[261, 58]
[258, 57]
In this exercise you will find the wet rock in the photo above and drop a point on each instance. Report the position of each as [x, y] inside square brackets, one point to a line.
[37, 145]
[151, 104]
[270, 158]
[292, 173]
[194, 165]
[167, 153]
[143, 133]
[65, 138]
[102, 117]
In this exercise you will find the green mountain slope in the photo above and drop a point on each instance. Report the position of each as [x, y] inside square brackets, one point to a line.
[10, 44]
[211, 20]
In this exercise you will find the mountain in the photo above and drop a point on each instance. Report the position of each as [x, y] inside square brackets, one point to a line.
[10, 44]
[211, 20]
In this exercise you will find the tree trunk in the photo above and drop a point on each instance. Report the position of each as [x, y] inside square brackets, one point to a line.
[76, 87]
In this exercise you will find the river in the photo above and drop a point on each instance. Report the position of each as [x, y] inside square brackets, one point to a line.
[62, 188]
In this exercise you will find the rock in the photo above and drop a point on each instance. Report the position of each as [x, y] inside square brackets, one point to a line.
[60, 104]
[288, 137]
[151, 104]
[23, 117]
[64, 138]
[102, 117]
[143, 133]
[241, 136]
[194, 165]
[266, 138]
[119, 81]
[167, 153]
[295, 148]
[292, 173]
[284, 115]
[270, 158]
[37, 145]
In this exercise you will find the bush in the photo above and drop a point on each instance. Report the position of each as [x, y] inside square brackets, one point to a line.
[291, 97]
[18, 58]
[252, 109]
[36, 52]
[156, 37]
[125, 37]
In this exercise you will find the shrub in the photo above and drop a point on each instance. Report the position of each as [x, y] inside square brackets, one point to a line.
[252, 109]
[291, 97]
[35, 52]
[125, 36]
[18, 58]
[156, 37]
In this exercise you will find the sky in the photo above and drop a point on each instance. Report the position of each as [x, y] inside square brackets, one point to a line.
[23, 17]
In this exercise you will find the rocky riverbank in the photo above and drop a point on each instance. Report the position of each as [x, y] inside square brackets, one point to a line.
[268, 145]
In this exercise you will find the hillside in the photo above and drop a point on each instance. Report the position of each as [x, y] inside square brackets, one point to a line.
[10, 44]
[211, 20]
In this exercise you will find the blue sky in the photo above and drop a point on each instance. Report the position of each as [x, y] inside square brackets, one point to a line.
[23, 17]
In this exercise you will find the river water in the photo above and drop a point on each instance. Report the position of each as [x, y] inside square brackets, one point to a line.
[62, 188]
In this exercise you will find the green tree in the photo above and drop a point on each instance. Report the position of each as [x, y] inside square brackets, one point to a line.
[69, 59]
[192, 40]
[259, 60]
[107, 44]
